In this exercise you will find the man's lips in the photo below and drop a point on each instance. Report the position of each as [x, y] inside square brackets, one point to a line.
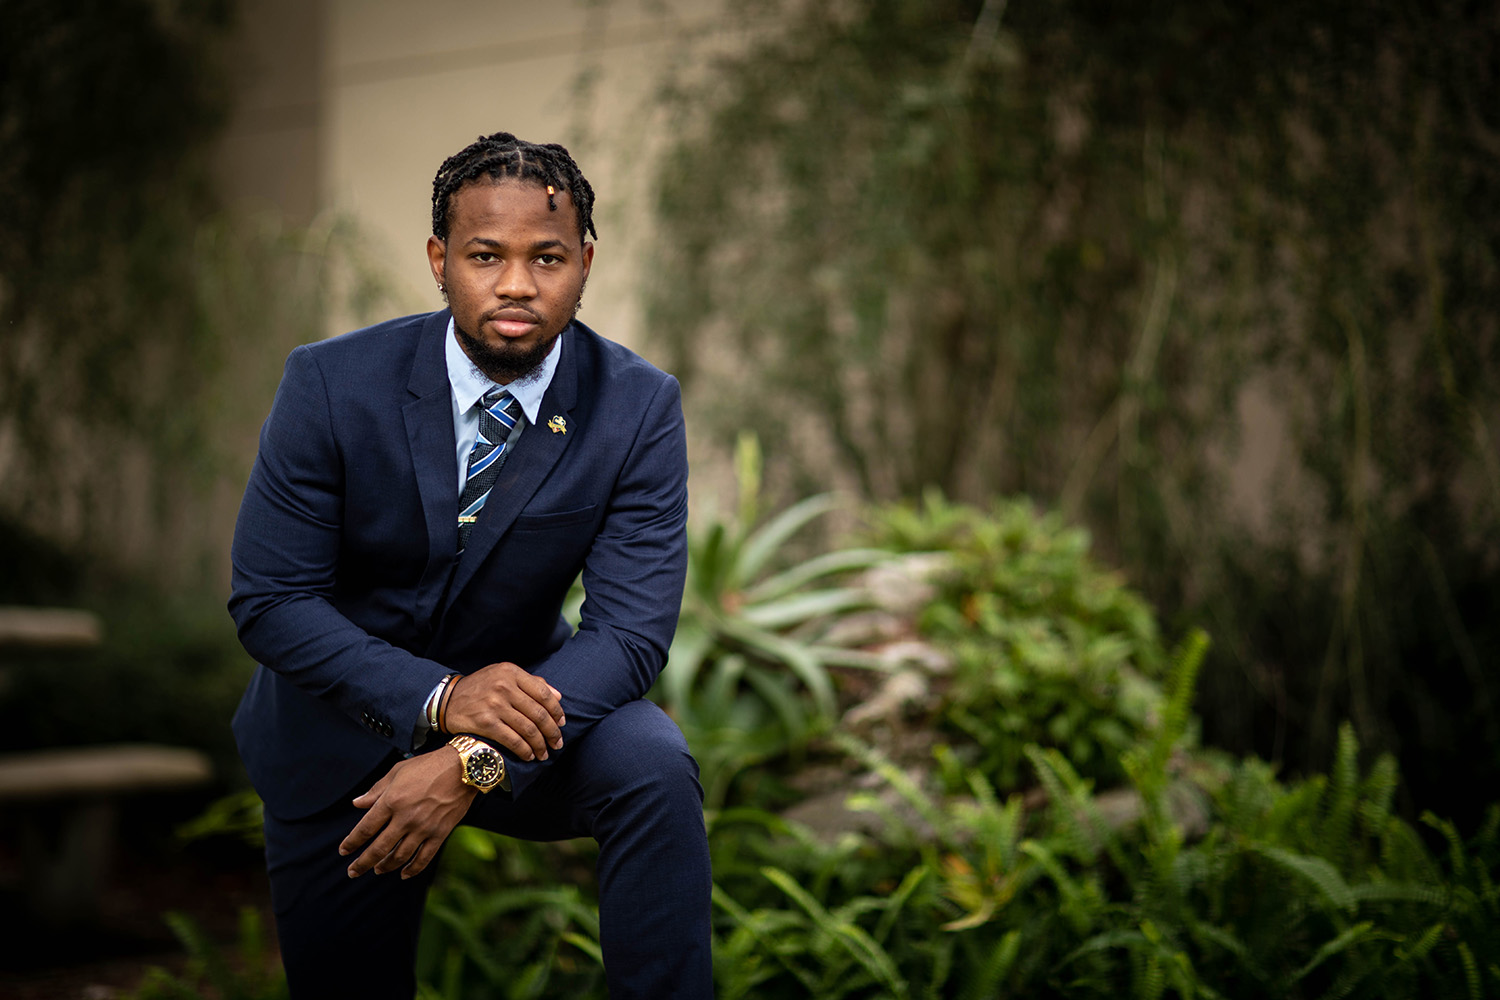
[513, 323]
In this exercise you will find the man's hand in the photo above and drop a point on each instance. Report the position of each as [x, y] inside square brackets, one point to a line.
[411, 812]
[508, 707]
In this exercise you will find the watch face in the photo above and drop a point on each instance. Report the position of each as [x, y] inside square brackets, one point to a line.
[484, 766]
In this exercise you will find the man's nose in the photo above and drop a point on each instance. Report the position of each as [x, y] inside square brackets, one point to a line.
[515, 282]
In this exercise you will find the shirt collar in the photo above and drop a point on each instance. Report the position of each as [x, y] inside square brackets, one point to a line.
[469, 383]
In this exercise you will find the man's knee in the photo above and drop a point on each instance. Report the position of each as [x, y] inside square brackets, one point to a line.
[639, 749]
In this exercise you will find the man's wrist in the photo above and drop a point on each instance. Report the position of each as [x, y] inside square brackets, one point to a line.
[435, 700]
[430, 719]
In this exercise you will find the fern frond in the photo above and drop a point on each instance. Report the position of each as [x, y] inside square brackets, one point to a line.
[1084, 830]
[1457, 861]
[1379, 792]
[1343, 942]
[1343, 789]
[1315, 870]
[746, 921]
[860, 946]
[899, 780]
[1471, 971]
[995, 968]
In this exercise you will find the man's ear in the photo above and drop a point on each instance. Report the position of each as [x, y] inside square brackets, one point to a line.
[588, 258]
[437, 256]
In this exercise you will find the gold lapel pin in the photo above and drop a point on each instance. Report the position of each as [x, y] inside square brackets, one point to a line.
[557, 425]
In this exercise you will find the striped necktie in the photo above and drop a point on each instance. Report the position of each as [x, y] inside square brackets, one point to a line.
[499, 414]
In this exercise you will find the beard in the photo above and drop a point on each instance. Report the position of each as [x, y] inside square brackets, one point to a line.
[505, 363]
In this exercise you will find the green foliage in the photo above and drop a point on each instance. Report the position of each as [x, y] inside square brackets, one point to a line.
[511, 919]
[1201, 876]
[778, 933]
[1217, 282]
[240, 815]
[1051, 649]
[1303, 890]
[252, 973]
[747, 677]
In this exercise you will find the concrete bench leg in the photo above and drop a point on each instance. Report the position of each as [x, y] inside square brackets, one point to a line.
[67, 856]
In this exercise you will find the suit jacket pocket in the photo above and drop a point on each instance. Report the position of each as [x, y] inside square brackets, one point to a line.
[554, 519]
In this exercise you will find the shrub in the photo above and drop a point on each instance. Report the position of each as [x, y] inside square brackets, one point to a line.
[1051, 649]
[1289, 890]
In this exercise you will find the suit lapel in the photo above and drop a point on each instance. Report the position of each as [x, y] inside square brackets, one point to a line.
[430, 434]
[539, 449]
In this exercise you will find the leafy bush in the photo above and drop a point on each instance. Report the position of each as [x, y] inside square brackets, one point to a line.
[1304, 890]
[1204, 876]
[1051, 649]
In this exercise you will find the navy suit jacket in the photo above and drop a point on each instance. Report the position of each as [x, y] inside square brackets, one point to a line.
[347, 589]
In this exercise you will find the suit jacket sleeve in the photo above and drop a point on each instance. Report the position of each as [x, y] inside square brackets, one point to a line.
[633, 577]
[285, 558]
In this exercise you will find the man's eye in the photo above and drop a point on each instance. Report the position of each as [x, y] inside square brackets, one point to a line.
[548, 258]
[484, 257]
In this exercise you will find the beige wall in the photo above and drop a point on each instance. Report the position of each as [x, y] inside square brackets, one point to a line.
[350, 105]
[407, 84]
[270, 157]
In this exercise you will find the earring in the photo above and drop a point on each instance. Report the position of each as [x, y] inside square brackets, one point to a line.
[442, 288]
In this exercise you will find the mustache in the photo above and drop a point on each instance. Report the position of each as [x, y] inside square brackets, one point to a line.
[512, 312]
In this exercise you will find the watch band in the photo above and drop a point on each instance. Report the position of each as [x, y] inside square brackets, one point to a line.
[481, 764]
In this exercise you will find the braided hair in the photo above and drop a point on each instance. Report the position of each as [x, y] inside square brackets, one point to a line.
[501, 156]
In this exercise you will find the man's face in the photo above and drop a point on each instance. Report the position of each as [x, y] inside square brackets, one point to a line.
[514, 270]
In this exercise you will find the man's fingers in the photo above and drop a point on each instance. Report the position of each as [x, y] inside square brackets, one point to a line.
[368, 826]
[514, 709]
[368, 798]
[521, 736]
[395, 857]
[545, 722]
[544, 709]
[375, 853]
[420, 860]
[544, 694]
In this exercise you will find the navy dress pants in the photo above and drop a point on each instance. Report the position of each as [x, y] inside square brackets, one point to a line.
[629, 783]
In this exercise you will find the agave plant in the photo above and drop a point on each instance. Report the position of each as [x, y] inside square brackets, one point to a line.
[748, 674]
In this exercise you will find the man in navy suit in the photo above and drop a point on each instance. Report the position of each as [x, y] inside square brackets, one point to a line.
[415, 671]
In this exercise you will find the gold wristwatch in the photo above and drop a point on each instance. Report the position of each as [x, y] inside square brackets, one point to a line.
[483, 767]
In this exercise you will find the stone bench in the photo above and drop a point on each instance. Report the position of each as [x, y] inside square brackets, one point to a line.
[55, 628]
[65, 801]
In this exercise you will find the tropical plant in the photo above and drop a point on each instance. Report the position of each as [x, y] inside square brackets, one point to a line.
[252, 972]
[748, 675]
[511, 919]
